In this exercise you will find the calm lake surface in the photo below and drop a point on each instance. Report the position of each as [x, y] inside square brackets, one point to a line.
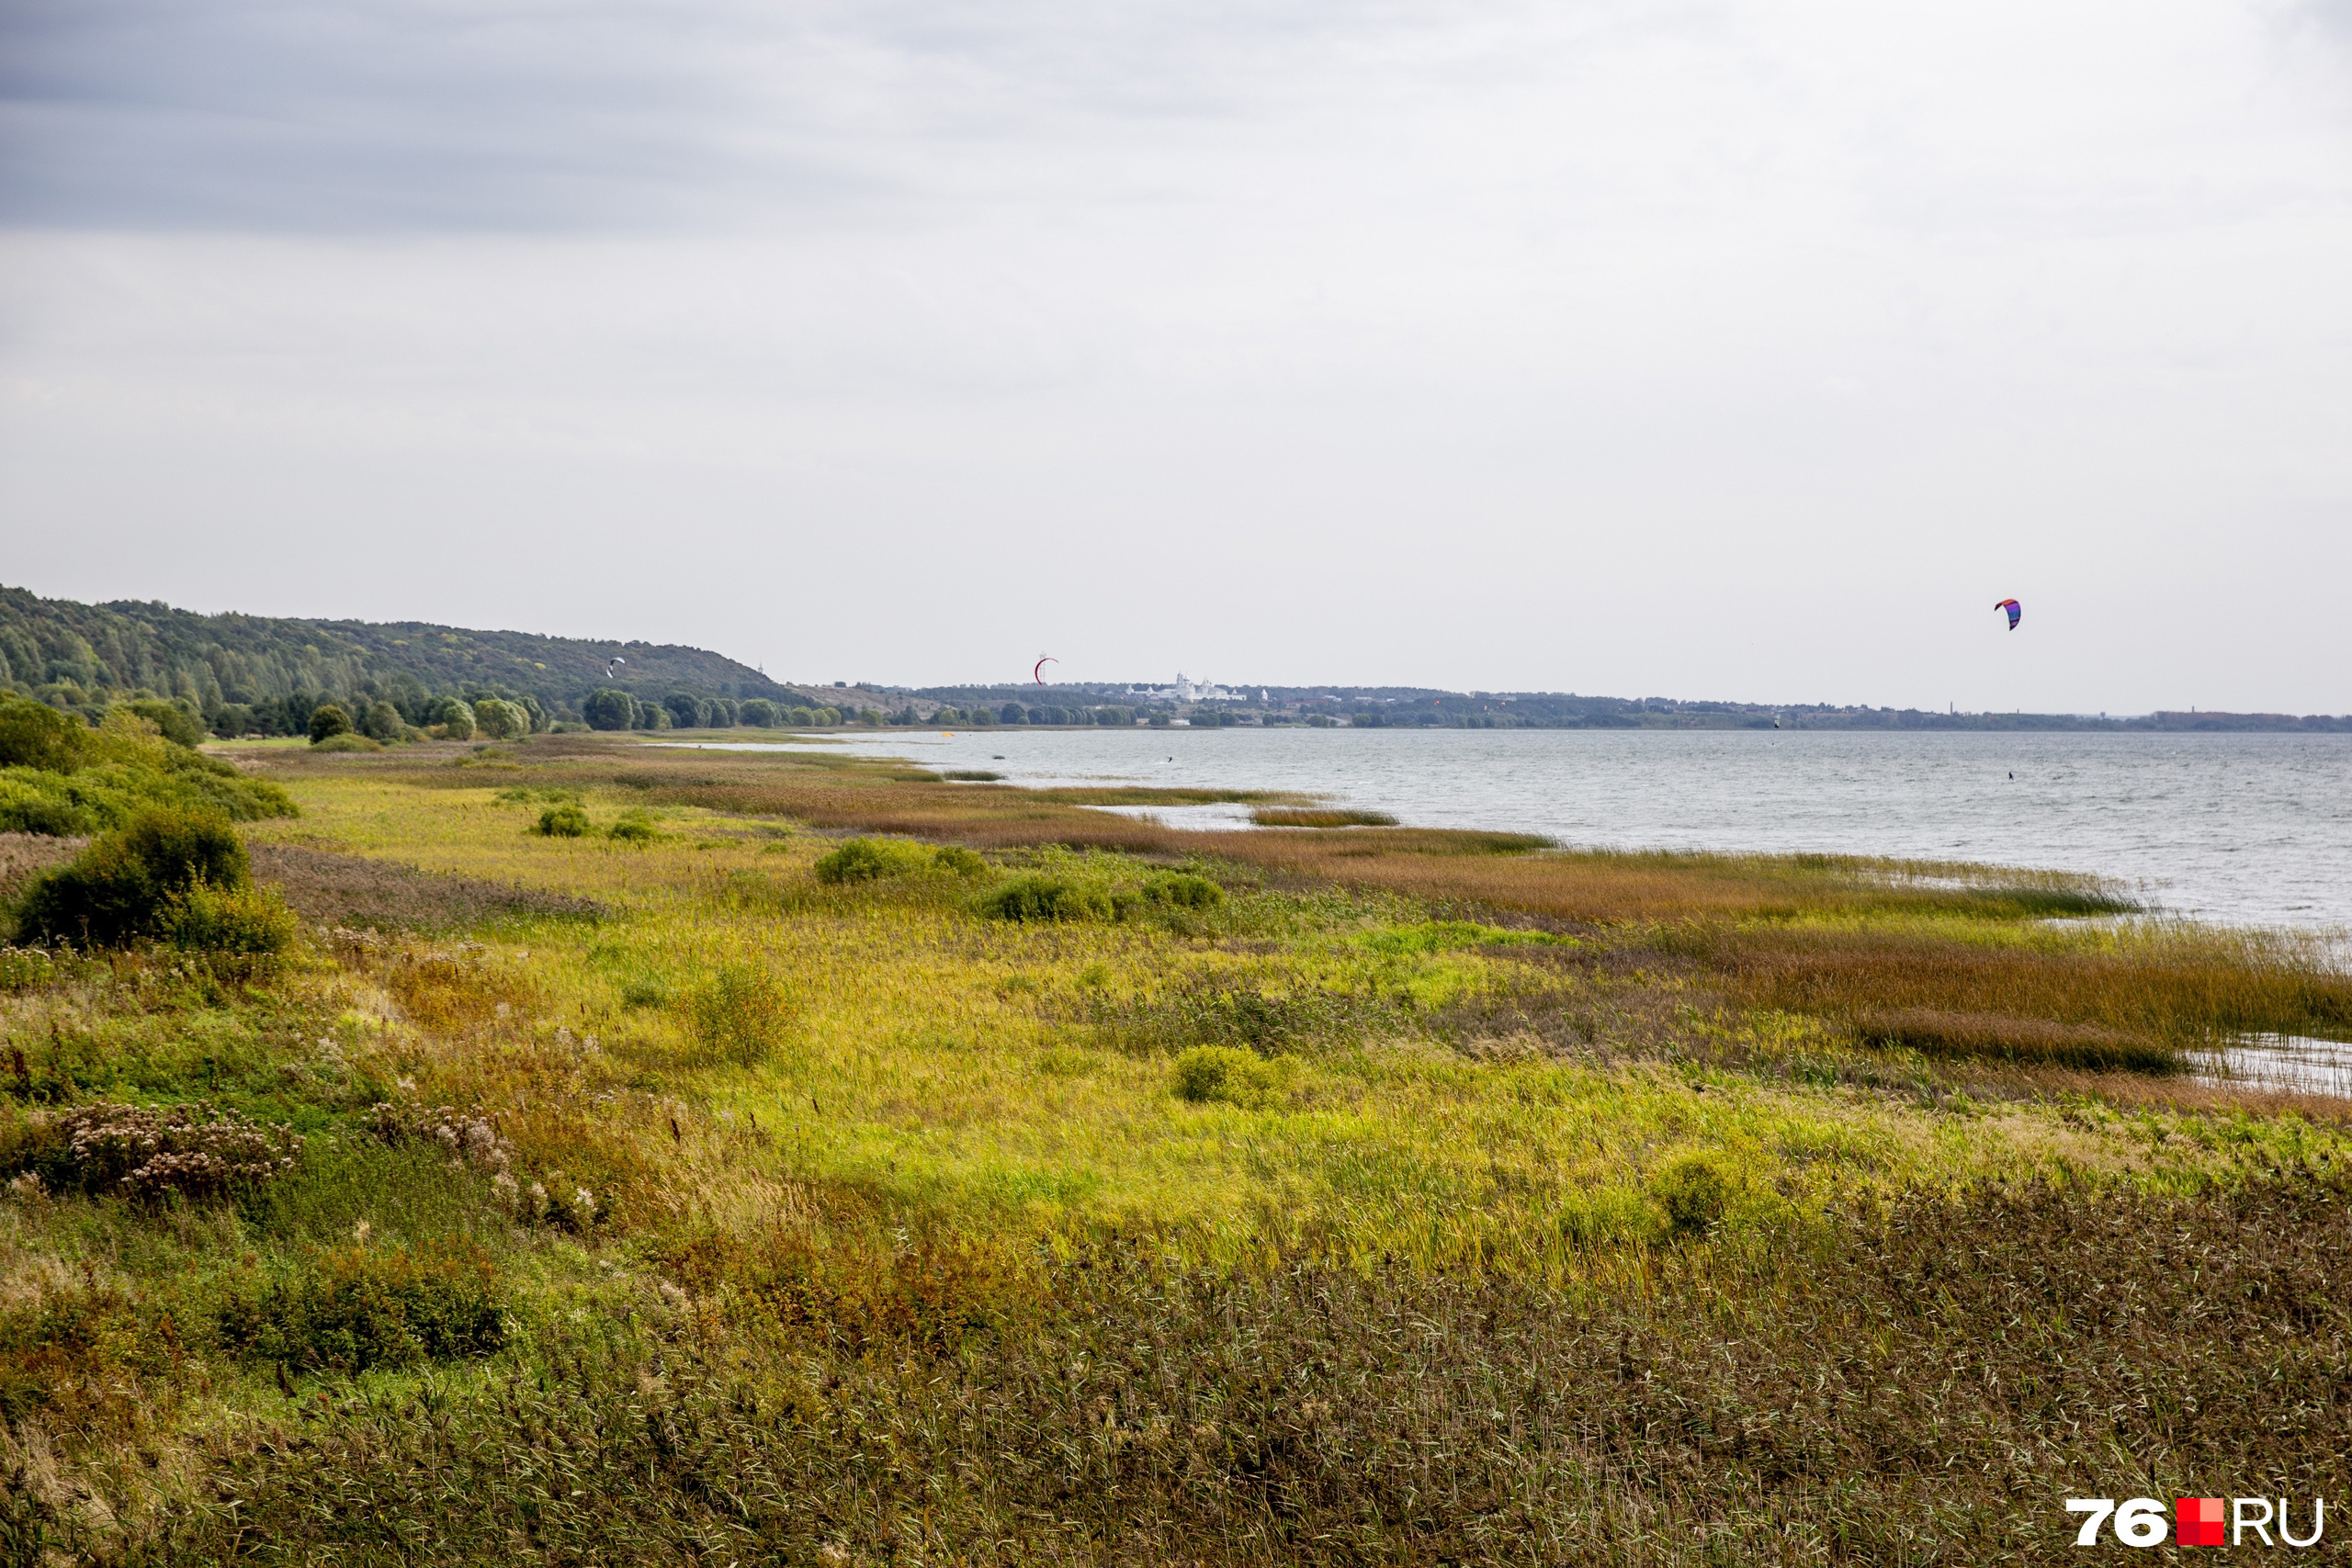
[2253, 829]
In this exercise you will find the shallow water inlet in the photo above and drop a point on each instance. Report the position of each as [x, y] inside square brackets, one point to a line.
[2297, 1061]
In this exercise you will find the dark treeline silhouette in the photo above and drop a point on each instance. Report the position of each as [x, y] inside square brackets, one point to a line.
[254, 674]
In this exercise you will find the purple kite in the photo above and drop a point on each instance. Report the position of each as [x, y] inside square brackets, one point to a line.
[2011, 607]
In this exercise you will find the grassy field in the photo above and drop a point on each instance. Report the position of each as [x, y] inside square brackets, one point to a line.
[688, 1188]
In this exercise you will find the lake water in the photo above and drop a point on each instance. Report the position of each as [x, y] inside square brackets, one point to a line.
[2239, 827]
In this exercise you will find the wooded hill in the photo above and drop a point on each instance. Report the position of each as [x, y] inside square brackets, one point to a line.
[78, 656]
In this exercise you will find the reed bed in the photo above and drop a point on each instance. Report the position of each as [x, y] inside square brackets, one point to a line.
[2149, 987]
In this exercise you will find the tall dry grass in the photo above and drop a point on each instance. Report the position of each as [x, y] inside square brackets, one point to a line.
[1924, 1383]
[2121, 1001]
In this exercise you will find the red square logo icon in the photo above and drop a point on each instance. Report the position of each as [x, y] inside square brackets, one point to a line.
[2197, 1521]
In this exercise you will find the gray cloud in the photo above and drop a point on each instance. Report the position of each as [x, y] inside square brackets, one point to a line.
[419, 114]
[398, 115]
[1491, 342]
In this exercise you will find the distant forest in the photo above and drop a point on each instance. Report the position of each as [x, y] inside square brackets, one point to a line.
[247, 674]
[1428, 709]
[261, 675]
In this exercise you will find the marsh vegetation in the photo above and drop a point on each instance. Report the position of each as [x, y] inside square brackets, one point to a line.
[847, 1164]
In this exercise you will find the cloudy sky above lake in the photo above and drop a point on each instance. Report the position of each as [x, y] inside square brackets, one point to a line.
[1704, 348]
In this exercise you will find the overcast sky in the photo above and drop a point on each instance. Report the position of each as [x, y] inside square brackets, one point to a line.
[1702, 348]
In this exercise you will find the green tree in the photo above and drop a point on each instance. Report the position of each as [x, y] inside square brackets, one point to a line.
[179, 726]
[608, 708]
[383, 722]
[328, 719]
[456, 716]
[501, 720]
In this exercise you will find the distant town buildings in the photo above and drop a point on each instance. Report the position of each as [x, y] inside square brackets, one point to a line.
[1186, 690]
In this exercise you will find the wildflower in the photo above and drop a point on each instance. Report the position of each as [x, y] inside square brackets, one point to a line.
[185, 1148]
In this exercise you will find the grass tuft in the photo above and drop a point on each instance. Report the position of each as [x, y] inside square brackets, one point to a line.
[1319, 817]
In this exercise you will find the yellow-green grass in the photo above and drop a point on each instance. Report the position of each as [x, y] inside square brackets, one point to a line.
[962, 1070]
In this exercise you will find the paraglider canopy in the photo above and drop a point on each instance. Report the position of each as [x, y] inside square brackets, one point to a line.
[1038, 671]
[615, 662]
[2011, 607]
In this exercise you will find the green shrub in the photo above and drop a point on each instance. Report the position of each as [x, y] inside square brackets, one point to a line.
[1037, 896]
[562, 822]
[347, 741]
[354, 1308]
[1184, 891]
[634, 827]
[457, 716]
[123, 887]
[174, 722]
[382, 722]
[962, 862]
[328, 719]
[1207, 1073]
[869, 860]
[38, 806]
[1693, 1190]
[34, 735]
[737, 1015]
[971, 775]
[108, 791]
[244, 922]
